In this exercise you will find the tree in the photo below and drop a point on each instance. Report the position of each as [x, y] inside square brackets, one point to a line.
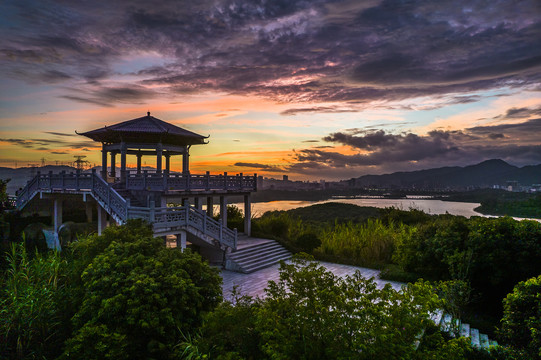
[521, 322]
[311, 313]
[138, 296]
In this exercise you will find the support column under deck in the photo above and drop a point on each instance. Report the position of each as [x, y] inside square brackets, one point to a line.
[197, 203]
[102, 219]
[223, 210]
[210, 206]
[248, 214]
[88, 211]
[57, 214]
[181, 240]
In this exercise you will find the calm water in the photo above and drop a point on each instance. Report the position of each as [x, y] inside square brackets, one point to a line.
[428, 206]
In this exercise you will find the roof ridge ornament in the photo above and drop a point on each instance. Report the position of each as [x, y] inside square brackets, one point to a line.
[148, 113]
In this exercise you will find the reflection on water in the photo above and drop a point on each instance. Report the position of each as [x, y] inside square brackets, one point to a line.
[428, 206]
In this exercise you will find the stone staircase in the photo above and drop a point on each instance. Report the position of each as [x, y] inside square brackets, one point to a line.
[256, 256]
[449, 325]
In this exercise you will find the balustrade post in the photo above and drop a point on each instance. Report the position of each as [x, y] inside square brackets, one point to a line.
[255, 182]
[188, 181]
[165, 175]
[77, 173]
[207, 179]
[187, 209]
[235, 240]
[50, 180]
[240, 180]
[62, 174]
[225, 180]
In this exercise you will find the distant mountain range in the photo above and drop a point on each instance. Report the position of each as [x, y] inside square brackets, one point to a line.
[482, 175]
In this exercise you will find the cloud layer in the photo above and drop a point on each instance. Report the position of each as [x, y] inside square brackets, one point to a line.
[291, 51]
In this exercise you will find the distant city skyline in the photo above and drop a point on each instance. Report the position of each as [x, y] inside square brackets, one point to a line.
[315, 90]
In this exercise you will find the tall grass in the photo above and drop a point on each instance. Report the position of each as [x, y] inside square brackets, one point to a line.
[28, 303]
[368, 244]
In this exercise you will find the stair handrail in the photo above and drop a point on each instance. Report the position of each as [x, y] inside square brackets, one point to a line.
[109, 198]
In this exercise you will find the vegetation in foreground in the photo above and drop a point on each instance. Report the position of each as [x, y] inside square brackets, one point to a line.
[124, 295]
[490, 255]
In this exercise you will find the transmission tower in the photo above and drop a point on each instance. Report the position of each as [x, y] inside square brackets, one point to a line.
[80, 163]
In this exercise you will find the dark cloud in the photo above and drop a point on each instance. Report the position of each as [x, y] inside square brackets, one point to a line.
[518, 143]
[317, 109]
[59, 133]
[310, 141]
[260, 166]
[291, 51]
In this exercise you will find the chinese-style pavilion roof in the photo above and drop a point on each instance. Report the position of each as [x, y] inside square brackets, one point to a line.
[146, 129]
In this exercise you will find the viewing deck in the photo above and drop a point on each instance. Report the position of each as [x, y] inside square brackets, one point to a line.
[164, 219]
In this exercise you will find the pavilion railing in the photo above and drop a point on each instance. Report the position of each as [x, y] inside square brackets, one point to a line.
[153, 181]
[120, 209]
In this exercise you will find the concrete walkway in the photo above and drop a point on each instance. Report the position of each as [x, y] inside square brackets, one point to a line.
[255, 283]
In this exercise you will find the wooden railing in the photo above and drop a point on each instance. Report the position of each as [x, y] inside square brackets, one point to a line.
[153, 181]
[120, 209]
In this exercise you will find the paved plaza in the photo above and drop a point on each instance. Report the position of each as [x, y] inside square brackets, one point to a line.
[254, 284]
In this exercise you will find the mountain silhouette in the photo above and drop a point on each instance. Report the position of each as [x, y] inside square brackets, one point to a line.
[482, 175]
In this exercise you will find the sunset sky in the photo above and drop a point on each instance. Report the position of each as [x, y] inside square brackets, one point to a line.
[315, 89]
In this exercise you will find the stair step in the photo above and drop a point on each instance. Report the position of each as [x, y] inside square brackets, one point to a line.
[251, 249]
[436, 317]
[465, 330]
[258, 255]
[475, 337]
[483, 340]
[264, 264]
[446, 323]
[267, 257]
[255, 251]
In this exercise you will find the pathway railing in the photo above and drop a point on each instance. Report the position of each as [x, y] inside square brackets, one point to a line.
[153, 181]
[120, 209]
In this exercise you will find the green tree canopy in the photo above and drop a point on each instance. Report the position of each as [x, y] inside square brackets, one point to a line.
[138, 296]
[521, 322]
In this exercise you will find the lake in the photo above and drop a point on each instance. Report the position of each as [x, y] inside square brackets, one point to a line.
[429, 206]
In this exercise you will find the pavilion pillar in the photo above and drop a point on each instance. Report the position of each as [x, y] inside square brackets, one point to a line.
[223, 210]
[103, 162]
[139, 156]
[247, 214]
[57, 214]
[113, 164]
[186, 160]
[123, 151]
[167, 163]
[159, 150]
[210, 206]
